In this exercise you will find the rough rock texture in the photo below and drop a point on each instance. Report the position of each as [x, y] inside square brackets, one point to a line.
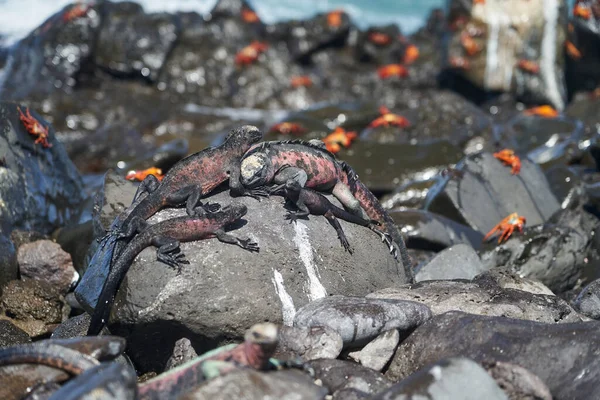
[10, 335]
[27, 200]
[225, 289]
[483, 33]
[377, 353]
[46, 261]
[456, 262]
[8, 261]
[359, 320]
[338, 375]
[487, 192]
[517, 382]
[308, 343]
[564, 356]
[75, 326]
[588, 301]
[33, 306]
[250, 384]
[182, 353]
[483, 296]
[452, 378]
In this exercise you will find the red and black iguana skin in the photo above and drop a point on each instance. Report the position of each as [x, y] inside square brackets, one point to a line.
[311, 202]
[375, 211]
[314, 167]
[166, 235]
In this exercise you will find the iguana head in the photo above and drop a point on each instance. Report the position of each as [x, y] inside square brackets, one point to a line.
[263, 334]
[244, 136]
[255, 170]
[292, 185]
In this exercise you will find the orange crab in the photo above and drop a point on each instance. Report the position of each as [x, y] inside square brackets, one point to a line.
[459, 63]
[506, 227]
[572, 50]
[250, 53]
[140, 175]
[339, 138]
[76, 11]
[380, 38]
[288, 128]
[387, 119]
[529, 66]
[469, 44]
[410, 54]
[334, 18]
[582, 11]
[478, 1]
[301, 81]
[35, 128]
[249, 16]
[542, 111]
[509, 158]
[390, 70]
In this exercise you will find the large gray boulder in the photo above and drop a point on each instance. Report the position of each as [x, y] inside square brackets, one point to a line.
[564, 356]
[225, 289]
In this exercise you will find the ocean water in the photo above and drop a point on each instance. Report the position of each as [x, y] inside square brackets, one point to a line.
[19, 17]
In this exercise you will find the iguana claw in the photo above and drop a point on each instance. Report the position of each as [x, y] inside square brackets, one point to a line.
[291, 216]
[249, 245]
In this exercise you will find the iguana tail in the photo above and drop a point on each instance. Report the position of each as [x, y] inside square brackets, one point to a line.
[374, 210]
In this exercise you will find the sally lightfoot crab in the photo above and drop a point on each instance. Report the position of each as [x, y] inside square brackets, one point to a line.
[506, 227]
[35, 128]
[508, 157]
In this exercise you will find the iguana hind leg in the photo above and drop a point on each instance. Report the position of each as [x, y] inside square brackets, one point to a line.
[338, 228]
[345, 196]
[168, 252]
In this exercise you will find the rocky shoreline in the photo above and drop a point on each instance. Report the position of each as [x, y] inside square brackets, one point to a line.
[488, 169]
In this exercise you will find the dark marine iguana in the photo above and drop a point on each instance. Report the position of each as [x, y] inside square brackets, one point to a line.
[314, 167]
[166, 235]
[311, 202]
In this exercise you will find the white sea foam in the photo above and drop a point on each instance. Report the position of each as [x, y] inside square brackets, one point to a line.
[19, 17]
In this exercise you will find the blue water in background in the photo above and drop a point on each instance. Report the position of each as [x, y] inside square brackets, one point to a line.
[19, 17]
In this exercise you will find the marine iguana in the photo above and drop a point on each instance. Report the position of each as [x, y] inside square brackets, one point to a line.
[186, 182]
[314, 167]
[166, 235]
[311, 202]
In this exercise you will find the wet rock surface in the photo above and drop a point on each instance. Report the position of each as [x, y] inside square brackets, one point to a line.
[456, 262]
[483, 296]
[359, 320]
[562, 355]
[28, 202]
[447, 378]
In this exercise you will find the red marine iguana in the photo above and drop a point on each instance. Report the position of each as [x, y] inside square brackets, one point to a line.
[312, 166]
[166, 235]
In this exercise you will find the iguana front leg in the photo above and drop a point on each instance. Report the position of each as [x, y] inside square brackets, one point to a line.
[303, 211]
[190, 195]
[345, 196]
[246, 244]
[148, 185]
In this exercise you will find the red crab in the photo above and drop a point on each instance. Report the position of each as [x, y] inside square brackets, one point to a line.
[582, 11]
[509, 158]
[572, 50]
[529, 66]
[249, 16]
[334, 18]
[250, 53]
[339, 138]
[35, 128]
[469, 44]
[288, 128]
[78, 10]
[387, 119]
[390, 70]
[410, 54]
[506, 227]
[140, 175]
[380, 38]
[301, 80]
[542, 111]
